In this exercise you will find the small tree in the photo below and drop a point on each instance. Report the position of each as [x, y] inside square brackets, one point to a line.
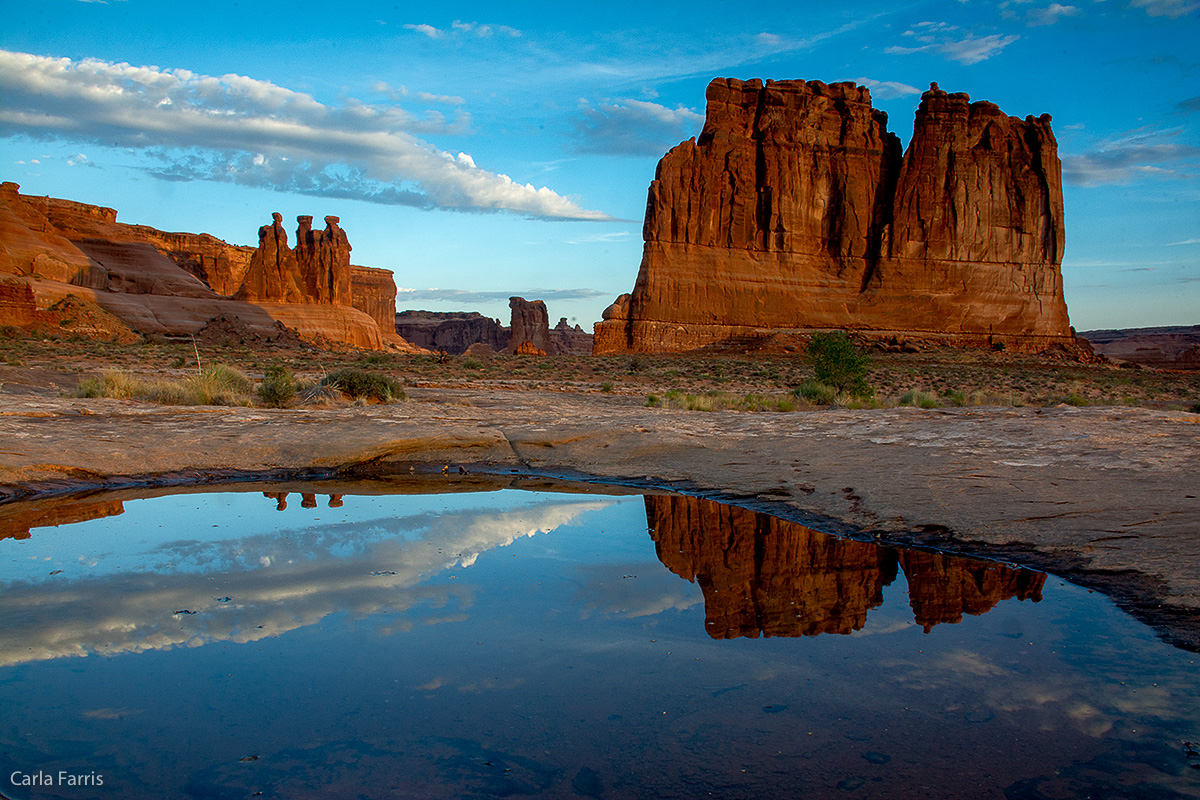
[837, 362]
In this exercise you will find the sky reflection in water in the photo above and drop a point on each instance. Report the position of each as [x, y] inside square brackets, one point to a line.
[519, 643]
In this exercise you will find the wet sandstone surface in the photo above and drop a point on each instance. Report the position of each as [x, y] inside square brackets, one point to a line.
[1104, 496]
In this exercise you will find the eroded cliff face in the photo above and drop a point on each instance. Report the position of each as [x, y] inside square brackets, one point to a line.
[795, 210]
[529, 331]
[173, 283]
[761, 575]
[451, 331]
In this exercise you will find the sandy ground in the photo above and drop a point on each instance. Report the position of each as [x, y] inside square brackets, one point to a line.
[1104, 496]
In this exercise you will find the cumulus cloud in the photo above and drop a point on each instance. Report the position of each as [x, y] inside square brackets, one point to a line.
[241, 130]
[1050, 14]
[940, 37]
[887, 90]
[1144, 153]
[633, 127]
[1166, 8]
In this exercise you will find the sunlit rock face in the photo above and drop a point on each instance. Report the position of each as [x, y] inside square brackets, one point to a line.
[761, 575]
[795, 210]
[173, 283]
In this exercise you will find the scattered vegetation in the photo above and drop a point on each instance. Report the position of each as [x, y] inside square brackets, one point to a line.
[816, 393]
[945, 377]
[838, 362]
[720, 401]
[359, 384]
[278, 387]
[919, 399]
[215, 385]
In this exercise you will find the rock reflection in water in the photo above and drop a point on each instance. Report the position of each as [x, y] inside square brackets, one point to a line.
[761, 575]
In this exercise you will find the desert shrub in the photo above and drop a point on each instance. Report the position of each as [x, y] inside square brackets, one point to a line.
[358, 384]
[215, 385]
[113, 384]
[816, 392]
[607, 386]
[653, 400]
[919, 399]
[956, 398]
[278, 387]
[837, 362]
[1076, 400]
[471, 363]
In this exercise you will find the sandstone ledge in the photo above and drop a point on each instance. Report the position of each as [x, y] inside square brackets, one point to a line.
[1103, 496]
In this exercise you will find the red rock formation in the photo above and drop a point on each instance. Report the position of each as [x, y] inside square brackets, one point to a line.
[373, 292]
[572, 340]
[453, 332]
[174, 283]
[324, 260]
[530, 323]
[764, 575]
[794, 211]
[17, 306]
[274, 274]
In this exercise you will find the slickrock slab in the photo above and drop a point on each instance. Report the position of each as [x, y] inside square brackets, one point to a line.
[1105, 496]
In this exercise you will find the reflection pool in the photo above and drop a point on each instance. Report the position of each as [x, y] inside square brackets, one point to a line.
[361, 640]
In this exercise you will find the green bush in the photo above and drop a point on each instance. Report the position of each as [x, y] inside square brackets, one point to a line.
[837, 362]
[816, 392]
[278, 387]
[471, 363]
[607, 386]
[919, 399]
[367, 385]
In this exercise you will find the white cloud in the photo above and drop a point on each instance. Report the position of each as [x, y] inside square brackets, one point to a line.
[887, 90]
[1166, 8]
[1050, 14]
[210, 128]
[428, 30]
[460, 28]
[939, 37]
[633, 127]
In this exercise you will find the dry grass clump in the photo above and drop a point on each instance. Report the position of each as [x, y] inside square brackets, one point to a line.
[215, 385]
[721, 401]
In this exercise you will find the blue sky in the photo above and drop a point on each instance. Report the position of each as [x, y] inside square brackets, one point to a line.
[480, 150]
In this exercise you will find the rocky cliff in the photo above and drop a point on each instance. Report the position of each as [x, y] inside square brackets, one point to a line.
[795, 210]
[530, 328]
[173, 283]
[761, 575]
[451, 331]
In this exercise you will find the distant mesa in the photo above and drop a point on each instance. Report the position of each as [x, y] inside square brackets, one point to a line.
[155, 282]
[1175, 347]
[469, 332]
[765, 576]
[795, 211]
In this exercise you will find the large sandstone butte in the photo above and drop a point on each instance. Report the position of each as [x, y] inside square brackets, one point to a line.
[174, 283]
[795, 211]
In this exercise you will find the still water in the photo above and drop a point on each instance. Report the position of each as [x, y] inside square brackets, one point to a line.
[343, 642]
